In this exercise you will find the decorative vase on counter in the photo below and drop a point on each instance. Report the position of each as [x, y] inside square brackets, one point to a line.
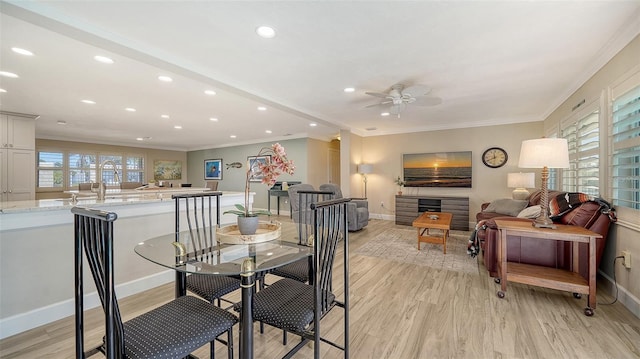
[248, 225]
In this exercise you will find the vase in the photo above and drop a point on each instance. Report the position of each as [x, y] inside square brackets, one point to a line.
[248, 225]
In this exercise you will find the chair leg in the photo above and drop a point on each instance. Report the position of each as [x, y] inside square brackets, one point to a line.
[212, 349]
[230, 343]
[284, 337]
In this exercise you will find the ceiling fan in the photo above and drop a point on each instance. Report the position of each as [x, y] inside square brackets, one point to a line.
[400, 96]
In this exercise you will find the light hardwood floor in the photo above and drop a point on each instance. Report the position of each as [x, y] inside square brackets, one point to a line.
[405, 311]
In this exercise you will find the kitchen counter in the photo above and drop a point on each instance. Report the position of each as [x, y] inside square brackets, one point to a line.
[113, 197]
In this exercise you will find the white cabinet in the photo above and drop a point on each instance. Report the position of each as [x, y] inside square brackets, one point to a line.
[18, 133]
[17, 158]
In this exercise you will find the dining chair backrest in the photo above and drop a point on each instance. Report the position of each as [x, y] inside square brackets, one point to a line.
[329, 219]
[212, 185]
[201, 218]
[130, 185]
[93, 231]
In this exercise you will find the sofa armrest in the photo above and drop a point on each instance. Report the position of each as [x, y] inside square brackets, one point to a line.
[360, 203]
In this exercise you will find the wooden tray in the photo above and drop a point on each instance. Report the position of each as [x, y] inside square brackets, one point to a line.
[267, 231]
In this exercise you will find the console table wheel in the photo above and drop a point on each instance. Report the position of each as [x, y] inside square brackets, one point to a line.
[577, 295]
[497, 280]
[588, 312]
[500, 294]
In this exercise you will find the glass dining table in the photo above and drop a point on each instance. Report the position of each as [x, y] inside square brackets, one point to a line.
[244, 260]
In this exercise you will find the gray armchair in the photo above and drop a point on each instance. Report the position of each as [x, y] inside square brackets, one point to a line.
[357, 209]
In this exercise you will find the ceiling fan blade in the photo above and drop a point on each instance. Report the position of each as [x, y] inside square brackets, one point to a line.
[383, 103]
[416, 90]
[427, 101]
[377, 94]
[396, 109]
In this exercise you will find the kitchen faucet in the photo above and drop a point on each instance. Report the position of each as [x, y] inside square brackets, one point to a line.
[102, 187]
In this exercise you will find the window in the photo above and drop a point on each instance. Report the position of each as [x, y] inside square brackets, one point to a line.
[135, 169]
[82, 168]
[625, 158]
[64, 170]
[583, 137]
[50, 169]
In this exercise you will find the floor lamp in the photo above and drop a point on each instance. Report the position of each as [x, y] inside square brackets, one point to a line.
[365, 169]
[544, 153]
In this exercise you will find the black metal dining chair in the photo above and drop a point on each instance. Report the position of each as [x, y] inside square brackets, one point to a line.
[304, 196]
[201, 218]
[298, 307]
[173, 330]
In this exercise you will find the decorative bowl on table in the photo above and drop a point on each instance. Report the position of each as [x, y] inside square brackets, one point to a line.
[433, 217]
[267, 231]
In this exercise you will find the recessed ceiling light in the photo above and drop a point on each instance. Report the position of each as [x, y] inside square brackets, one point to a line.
[384, 114]
[268, 131]
[89, 102]
[210, 92]
[139, 139]
[3, 90]
[177, 127]
[262, 108]
[213, 119]
[349, 89]
[62, 123]
[103, 59]
[8, 74]
[130, 109]
[164, 116]
[165, 78]
[313, 124]
[266, 32]
[22, 51]
[233, 136]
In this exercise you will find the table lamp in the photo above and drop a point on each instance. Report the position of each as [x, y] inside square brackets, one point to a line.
[520, 181]
[365, 169]
[544, 153]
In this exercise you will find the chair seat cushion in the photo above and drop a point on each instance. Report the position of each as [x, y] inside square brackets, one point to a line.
[211, 287]
[298, 270]
[175, 329]
[286, 304]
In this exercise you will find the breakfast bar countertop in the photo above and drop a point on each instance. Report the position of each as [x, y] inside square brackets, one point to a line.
[115, 197]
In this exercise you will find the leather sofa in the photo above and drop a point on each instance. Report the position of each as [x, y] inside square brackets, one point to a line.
[593, 215]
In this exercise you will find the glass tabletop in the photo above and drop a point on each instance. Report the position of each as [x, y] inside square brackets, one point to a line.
[222, 259]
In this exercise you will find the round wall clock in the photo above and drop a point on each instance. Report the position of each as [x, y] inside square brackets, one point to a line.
[495, 157]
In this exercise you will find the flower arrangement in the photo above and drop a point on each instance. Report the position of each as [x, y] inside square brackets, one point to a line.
[400, 182]
[270, 172]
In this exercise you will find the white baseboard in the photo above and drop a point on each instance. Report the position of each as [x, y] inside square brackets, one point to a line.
[630, 301]
[35, 318]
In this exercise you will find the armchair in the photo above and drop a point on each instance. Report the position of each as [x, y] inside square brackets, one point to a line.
[357, 209]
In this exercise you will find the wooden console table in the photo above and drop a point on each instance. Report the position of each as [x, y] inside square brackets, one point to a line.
[553, 278]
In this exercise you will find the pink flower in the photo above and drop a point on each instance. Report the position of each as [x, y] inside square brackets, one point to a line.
[270, 172]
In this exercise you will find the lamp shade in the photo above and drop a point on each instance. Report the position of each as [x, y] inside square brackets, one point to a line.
[365, 168]
[521, 180]
[544, 152]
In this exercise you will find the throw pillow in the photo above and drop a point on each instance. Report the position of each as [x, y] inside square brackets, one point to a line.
[506, 206]
[530, 212]
[565, 202]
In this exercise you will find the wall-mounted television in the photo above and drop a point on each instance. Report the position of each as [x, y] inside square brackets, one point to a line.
[437, 169]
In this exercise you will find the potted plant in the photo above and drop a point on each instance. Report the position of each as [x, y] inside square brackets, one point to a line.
[401, 184]
[279, 164]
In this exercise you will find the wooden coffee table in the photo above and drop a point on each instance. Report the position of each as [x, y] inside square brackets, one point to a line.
[425, 222]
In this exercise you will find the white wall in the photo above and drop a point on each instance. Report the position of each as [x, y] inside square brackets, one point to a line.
[385, 153]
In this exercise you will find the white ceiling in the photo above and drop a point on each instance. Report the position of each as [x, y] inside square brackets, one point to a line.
[490, 62]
